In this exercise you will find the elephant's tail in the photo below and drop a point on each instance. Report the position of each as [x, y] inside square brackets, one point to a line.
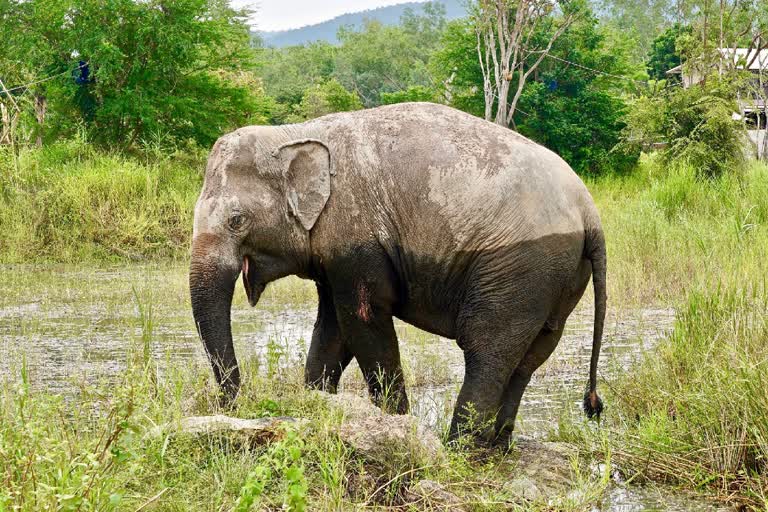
[595, 252]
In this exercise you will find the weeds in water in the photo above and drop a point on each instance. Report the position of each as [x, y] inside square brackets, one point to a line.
[146, 319]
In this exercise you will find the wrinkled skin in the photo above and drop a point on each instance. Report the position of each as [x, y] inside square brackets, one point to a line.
[416, 211]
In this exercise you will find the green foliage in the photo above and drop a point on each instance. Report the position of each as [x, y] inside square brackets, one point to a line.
[288, 72]
[379, 59]
[641, 20]
[456, 67]
[156, 69]
[412, 93]
[664, 54]
[325, 98]
[695, 123]
[373, 63]
[281, 465]
[576, 112]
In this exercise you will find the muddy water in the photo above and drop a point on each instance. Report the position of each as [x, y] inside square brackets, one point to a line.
[73, 324]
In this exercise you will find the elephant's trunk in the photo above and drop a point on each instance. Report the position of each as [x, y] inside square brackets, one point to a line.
[211, 288]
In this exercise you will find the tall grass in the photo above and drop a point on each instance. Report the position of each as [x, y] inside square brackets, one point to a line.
[71, 202]
[671, 232]
[695, 409]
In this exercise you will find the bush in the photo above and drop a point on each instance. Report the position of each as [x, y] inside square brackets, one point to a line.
[143, 68]
[323, 99]
[696, 123]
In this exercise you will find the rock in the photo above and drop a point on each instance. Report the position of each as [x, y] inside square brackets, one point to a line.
[385, 438]
[542, 469]
[429, 495]
[256, 431]
[388, 438]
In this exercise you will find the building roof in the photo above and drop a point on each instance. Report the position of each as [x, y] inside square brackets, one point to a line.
[741, 57]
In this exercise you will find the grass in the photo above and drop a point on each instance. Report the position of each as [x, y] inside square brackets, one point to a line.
[693, 412]
[70, 202]
[97, 451]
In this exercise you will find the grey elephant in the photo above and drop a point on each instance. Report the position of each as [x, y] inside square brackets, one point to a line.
[417, 211]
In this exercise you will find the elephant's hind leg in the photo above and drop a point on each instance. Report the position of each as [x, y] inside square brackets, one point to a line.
[539, 351]
[490, 359]
[328, 354]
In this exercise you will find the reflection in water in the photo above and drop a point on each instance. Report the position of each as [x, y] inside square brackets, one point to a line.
[75, 324]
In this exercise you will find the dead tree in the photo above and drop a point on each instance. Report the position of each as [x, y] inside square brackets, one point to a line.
[510, 47]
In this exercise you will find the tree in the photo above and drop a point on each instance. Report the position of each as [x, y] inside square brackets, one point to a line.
[412, 93]
[141, 69]
[456, 68]
[30, 52]
[288, 72]
[565, 105]
[575, 111]
[664, 54]
[325, 98]
[511, 45]
[641, 20]
[696, 124]
[380, 59]
[373, 62]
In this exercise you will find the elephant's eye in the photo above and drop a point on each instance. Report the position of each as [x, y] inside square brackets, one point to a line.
[236, 222]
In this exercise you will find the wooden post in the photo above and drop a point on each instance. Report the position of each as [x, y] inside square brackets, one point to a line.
[9, 120]
[40, 106]
[5, 129]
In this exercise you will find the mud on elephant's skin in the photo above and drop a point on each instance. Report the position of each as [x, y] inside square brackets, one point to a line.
[416, 211]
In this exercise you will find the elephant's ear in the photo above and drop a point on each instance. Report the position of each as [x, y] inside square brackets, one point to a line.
[307, 170]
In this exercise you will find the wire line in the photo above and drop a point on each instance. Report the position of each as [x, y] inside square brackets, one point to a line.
[620, 77]
[81, 66]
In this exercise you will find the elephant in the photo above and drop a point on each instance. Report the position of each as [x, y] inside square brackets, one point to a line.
[458, 226]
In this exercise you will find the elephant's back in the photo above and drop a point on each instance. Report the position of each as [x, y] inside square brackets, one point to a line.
[465, 174]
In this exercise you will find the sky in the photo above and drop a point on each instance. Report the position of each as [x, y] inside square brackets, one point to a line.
[286, 14]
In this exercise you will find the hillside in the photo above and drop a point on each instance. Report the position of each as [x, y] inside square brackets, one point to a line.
[326, 31]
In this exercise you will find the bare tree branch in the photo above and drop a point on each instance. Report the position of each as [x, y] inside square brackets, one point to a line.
[506, 35]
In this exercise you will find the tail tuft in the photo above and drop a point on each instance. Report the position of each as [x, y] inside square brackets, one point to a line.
[593, 406]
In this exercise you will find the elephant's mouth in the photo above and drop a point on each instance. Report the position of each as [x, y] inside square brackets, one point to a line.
[253, 288]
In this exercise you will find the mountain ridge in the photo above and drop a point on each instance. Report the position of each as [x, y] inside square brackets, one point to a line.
[326, 30]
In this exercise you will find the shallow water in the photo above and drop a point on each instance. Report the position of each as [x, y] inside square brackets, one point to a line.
[73, 324]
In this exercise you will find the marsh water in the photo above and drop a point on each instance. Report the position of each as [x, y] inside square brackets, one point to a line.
[75, 324]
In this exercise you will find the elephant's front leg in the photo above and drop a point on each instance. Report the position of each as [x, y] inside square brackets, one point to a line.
[328, 355]
[367, 327]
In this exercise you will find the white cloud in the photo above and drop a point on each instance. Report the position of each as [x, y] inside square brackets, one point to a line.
[287, 14]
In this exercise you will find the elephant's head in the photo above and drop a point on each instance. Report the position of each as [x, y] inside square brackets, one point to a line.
[260, 199]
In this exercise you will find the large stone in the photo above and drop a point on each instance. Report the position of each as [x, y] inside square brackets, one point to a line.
[542, 469]
[385, 438]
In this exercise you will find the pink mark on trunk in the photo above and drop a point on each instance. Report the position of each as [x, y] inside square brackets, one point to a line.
[363, 303]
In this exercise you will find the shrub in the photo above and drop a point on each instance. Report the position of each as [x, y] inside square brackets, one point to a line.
[696, 123]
